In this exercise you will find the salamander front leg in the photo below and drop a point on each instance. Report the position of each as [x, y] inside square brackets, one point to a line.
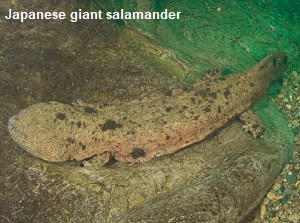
[252, 123]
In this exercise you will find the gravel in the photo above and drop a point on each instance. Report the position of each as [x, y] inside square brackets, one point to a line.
[282, 202]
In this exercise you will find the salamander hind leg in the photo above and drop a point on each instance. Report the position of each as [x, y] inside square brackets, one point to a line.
[252, 123]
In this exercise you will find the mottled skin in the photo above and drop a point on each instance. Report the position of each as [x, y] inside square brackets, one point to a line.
[141, 130]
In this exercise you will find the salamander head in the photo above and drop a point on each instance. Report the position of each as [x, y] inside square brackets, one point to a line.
[275, 64]
[35, 130]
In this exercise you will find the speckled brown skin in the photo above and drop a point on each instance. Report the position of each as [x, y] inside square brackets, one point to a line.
[141, 130]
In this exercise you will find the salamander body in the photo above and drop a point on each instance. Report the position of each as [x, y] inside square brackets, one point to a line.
[141, 130]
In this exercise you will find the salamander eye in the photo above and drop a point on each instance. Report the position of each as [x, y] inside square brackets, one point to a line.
[274, 61]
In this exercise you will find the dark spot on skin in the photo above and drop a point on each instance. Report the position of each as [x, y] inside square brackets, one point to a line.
[219, 109]
[95, 139]
[207, 89]
[207, 109]
[202, 93]
[185, 107]
[213, 95]
[168, 109]
[252, 84]
[167, 137]
[261, 133]
[193, 100]
[83, 147]
[199, 102]
[255, 126]
[227, 93]
[210, 101]
[70, 140]
[222, 78]
[237, 83]
[124, 118]
[196, 117]
[226, 103]
[78, 124]
[89, 110]
[285, 60]
[110, 125]
[72, 123]
[131, 132]
[132, 122]
[168, 93]
[61, 116]
[137, 152]
[274, 61]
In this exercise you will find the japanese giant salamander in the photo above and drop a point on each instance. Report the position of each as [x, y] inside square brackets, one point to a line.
[141, 130]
